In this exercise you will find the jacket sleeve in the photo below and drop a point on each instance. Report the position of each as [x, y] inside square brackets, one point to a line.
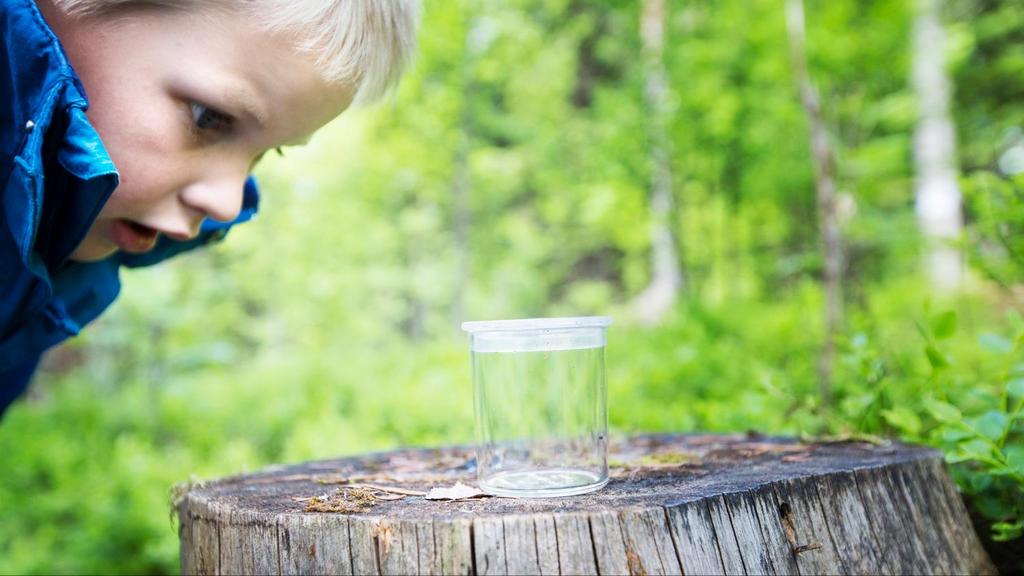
[13, 382]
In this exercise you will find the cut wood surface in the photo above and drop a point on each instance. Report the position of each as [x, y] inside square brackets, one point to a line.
[741, 504]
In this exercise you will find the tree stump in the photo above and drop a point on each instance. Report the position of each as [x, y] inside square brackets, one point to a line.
[674, 505]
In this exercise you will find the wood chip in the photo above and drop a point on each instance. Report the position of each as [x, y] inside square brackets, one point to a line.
[389, 489]
[458, 492]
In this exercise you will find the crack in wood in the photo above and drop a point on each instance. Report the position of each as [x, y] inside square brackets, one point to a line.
[277, 541]
[381, 532]
[377, 544]
[472, 550]
[857, 545]
[672, 537]
[434, 559]
[351, 556]
[714, 534]
[558, 553]
[745, 504]
[593, 544]
[547, 558]
[884, 552]
[416, 540]
[732, 530]
[504, 547]
[787, 527]
[536, 546]
[781, 555]
[220, 551]
[828, 527]
[787, 524]
[805, 518]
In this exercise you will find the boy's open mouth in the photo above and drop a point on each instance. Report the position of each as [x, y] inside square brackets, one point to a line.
[133, 237]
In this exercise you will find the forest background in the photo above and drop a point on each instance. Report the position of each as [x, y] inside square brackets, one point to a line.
[650, 160]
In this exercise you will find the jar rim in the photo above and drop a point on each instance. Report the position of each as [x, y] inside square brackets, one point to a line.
[536, 324]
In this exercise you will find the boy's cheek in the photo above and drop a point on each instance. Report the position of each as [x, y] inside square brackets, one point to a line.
[137, 124]
[147, 176]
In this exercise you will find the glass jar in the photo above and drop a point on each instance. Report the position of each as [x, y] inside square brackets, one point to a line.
[541, 405]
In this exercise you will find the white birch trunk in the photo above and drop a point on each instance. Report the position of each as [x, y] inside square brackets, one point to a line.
[660, 296]
[937, 195]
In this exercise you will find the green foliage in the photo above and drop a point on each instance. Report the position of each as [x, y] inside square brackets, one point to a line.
[981, 424]
[997, 243]
[990, 85]
[509, 177]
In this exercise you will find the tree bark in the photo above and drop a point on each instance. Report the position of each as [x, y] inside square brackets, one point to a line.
[674, 505]
[823, 159]
[937, 195]
[660, 295]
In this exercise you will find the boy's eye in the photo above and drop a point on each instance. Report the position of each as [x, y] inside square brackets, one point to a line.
[209, 119]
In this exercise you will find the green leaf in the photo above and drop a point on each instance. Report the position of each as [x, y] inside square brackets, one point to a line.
[857, 404]
[1005, 531]
[973, 450]
[995, 343]
[982, 397]
[957, 457]
[903, 419]
[1015, 458]
[981, 484]
[944, 325]
[943, 411]
[1015, 387]
[991, 424]
[955, 435]
[936, 358]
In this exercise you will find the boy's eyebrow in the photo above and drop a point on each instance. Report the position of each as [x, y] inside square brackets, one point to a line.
[247, 100]
[253, 106]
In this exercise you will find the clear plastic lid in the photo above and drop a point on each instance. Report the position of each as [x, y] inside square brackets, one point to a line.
[537, 334]
[536, 324]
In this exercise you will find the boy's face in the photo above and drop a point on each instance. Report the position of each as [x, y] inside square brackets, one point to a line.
[186, 103]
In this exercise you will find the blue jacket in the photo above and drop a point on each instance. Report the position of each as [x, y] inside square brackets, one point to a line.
[55, 176]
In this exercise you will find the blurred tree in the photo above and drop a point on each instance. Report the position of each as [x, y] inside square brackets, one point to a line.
[824, 170]
[937, 191]
[660, 296]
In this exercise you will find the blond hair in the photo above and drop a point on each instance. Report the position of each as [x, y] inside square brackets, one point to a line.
[367, 43]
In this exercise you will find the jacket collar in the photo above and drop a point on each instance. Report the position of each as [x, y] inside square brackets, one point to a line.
[48, 216]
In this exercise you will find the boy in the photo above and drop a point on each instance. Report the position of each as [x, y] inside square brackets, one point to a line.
[184, 97]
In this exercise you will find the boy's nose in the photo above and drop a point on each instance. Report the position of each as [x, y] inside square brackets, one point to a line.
[216, 198]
